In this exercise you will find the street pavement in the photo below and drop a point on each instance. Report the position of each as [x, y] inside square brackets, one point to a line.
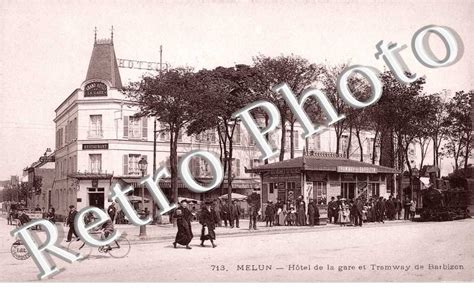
[394, 251]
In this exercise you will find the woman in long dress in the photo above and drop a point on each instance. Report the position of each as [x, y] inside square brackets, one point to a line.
[183, 219]
[208, 220]
[282, 215]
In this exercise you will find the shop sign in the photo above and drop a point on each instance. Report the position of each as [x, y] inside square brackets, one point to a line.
[347, 177]
[313, 176]
[95, 89]
[356, 169]
[95, 146]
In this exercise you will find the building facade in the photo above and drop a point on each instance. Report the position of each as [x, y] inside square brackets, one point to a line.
[99, 142]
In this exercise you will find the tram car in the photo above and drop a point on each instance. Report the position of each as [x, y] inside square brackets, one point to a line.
[444, 205]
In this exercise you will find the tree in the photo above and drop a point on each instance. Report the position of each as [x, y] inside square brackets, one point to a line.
[438, 130]
[459, 128]
[169, 98]
[329, 82]
[225, 91]
[402, 113]
[298, 73]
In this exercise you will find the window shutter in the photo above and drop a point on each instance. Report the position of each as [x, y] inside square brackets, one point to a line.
[125, 126]
[144, 128]
[237, 170]
[251, 163]
[125, 164]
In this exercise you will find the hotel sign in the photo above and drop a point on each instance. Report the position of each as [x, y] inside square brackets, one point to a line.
[357, 169]
[95, 89]
[95, 146]
[140, 64]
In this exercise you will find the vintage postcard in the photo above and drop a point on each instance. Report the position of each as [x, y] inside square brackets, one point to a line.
[236, 141]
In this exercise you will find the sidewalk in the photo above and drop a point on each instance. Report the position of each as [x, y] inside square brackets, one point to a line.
[167, 232]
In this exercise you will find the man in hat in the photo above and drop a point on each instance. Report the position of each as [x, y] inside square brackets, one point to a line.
[112, 211]
[269, 213]
[208, 220]
[22, 217]
[70, 222]
[254, 208]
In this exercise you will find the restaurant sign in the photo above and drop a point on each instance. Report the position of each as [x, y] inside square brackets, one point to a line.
[356, 169]
[95, 146]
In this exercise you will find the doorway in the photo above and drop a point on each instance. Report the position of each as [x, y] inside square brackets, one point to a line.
[348, 190]
[96, 200]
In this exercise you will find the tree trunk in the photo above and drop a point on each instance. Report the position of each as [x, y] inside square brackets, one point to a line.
[360, 145]
[267, 136]
[292, 140]
[283, 138]
[468, 146]
[374, 150]
[229, 174]
[400, 165]
[349, 142]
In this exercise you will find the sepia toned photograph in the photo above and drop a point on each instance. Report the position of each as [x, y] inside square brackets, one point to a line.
[236, 141]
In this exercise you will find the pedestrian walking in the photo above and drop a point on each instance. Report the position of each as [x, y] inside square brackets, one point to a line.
[398, 207]
[70, 222]
[282, 215]
[406, 209]
[208, 220]
[311, 212]
[412, 210]
[51, 216]
[358, 212]
[112, 211]
[235, 214]
[226, 213]
[301, 206]
[269, 213]
[254, 208]
[183, 220]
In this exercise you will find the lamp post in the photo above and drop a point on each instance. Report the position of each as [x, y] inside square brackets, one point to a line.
[142, 165]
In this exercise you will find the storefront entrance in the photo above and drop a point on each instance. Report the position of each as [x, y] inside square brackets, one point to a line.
[348, 190]
[96, 198]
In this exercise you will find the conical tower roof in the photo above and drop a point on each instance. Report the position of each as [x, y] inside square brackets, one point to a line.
[103, 63]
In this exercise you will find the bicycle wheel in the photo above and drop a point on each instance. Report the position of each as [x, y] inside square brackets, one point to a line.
[120, 247]
[78, 246]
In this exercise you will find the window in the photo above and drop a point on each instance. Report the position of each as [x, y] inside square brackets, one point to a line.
[374, 190]
[288, 139]
[59, 138]
[95, 126]
[95, 161]
[135, 128]
[254, 163]
[320, 192]
[348, 190]
[130, 164]
[314, 143]
[236, 136]
[370, 145]
[291, 185]
[235, 167]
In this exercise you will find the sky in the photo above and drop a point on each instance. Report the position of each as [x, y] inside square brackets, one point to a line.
[46, 46]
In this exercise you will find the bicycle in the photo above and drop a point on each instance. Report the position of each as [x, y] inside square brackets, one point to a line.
[119, 248]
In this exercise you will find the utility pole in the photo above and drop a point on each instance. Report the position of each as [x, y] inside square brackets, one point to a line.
[155, 132]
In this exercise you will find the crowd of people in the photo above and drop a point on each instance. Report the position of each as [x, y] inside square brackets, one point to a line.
[360, 210]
